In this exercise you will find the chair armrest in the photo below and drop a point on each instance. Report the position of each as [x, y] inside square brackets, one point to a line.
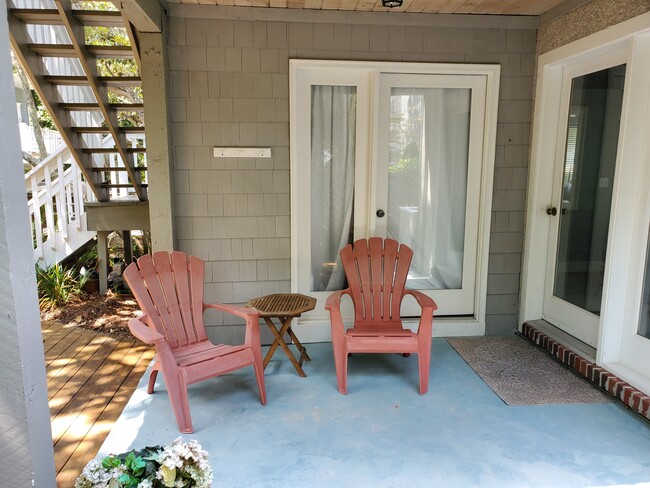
[237, 310]
[425, 301]
[143, 332]
[252, 317]
[334, 300]
[426, 319]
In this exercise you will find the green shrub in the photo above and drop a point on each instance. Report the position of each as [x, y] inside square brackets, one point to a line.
[56, 285]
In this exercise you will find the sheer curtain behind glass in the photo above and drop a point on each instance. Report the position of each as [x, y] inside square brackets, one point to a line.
[333, 133]
[427, 184]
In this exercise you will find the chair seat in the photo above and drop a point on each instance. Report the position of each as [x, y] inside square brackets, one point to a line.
[203, 351]
[379, 329]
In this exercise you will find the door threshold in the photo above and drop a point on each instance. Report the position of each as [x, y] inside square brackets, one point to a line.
[567, 340]
[633, 398]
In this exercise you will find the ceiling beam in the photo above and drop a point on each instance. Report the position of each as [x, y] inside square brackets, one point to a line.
[145, 15]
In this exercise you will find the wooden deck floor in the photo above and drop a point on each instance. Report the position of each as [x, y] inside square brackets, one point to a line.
[90, 378]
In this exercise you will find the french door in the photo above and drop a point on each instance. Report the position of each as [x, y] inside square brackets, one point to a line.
[582, 198]
[404, 155]
[586, 266]
[427, 181]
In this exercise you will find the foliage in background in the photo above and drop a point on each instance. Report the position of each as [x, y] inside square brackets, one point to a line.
[44, 119]
[57, 285]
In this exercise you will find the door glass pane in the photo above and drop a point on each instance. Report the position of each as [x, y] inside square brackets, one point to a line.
[427, 181]
[590, 158]
[333, 135]
[644, 317]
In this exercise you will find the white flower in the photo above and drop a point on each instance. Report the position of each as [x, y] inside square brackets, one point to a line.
[179, 465]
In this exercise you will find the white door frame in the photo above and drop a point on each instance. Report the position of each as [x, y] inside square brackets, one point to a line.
[617, 292]
[314, 326]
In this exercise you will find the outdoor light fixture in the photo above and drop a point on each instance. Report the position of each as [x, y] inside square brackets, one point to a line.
[391, 3]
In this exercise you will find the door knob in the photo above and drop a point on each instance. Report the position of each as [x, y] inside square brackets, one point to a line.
[551, 211]
[380, 213]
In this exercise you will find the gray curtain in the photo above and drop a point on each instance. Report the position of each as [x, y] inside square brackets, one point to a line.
[427, 197]
[333, 134]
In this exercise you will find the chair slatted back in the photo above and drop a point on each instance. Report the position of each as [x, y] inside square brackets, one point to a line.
[169, 289]
[376, 270]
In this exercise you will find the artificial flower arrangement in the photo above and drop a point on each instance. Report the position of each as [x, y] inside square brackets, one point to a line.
[179, 465]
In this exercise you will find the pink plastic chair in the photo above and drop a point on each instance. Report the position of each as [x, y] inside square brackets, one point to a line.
[169, 290]
[376, 271]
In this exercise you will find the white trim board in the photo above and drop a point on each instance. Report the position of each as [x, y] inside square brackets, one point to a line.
[423, 19]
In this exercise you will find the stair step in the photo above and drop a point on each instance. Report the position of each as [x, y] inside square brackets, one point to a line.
[82, 80]
[111, 150]
[67, 51]
[78, 106]
[121, 185]
[104, 130]
[42, 16]
[105, 170]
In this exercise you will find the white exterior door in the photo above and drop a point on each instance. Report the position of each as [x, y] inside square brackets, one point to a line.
[592, 98]
[427, 181]
[395, 150]
[587, 231]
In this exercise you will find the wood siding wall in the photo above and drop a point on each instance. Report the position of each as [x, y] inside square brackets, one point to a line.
[230, 87]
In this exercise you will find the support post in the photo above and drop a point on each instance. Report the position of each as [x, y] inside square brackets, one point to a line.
[159, 165]
[128, 251]
[26, 447]
[102, 258]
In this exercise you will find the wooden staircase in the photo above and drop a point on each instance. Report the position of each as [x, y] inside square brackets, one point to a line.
[50, 38]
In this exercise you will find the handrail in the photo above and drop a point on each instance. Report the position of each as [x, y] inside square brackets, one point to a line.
[56, 207]
[57, 204]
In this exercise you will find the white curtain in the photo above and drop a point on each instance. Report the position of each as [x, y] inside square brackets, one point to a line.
[333, 133]
[428, 212]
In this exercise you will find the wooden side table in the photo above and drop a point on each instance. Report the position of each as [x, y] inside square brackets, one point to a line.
[284, 307]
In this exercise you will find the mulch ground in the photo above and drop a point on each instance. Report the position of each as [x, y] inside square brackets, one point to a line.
[108, 314]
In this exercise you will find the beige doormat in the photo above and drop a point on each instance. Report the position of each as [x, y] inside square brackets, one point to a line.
[522, 374]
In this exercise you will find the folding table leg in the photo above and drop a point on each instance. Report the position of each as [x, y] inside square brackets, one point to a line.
[279, 341]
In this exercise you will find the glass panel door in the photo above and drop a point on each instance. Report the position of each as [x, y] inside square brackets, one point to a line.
[428, 182]
[579, 245]
[333, 144]
[331, 110]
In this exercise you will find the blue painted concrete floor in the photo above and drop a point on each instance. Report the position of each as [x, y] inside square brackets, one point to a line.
[384, 434]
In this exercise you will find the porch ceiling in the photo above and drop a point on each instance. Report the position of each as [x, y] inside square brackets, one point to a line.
[490, 7]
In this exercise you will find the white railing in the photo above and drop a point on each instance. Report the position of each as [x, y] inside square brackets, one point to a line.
[56, 207]
[51, 139]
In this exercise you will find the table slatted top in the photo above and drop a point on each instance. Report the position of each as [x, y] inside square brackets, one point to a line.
[282, 305]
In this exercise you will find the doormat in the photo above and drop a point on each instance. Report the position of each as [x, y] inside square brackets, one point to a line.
[521, 374]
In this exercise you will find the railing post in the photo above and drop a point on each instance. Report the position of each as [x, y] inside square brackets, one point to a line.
[49, 209]
[59, 195]
[38, 229]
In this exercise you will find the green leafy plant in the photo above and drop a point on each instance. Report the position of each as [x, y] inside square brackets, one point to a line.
[56, 285]
[179, 464]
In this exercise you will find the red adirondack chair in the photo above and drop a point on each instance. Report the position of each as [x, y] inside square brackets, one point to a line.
[169, 289]
[376, 270]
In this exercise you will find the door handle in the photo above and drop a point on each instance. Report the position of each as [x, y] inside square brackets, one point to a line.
[551, 211]
[380, 213]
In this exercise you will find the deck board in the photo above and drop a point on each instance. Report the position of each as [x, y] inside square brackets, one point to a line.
[91, 377]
